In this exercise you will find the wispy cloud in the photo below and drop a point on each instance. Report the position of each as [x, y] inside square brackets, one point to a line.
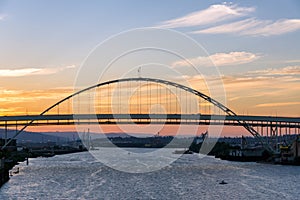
[292, 61]
[34, 101]
[219, 59]
[213, 14]
[278, 27]
[277, 104]
[31, 71]
[235, 27]
[13, 96]
[255, 27]
[289, 70]
[2, 17]
[221, 13]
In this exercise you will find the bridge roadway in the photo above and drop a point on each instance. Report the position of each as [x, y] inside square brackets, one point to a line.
[192, 119]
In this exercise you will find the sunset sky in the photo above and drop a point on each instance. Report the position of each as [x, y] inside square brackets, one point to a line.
[254, 44]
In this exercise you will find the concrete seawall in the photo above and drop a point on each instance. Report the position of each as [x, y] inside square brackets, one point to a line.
[4, 171]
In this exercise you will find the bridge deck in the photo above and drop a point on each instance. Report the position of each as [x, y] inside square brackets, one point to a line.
[261, 121]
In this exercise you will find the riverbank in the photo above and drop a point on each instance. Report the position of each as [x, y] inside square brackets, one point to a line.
[4, 172]
[10, 159]
[7, 162]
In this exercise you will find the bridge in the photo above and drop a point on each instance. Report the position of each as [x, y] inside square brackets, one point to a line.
[149, 101]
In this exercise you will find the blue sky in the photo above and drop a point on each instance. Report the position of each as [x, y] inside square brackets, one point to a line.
[46, 41]
[65, 31]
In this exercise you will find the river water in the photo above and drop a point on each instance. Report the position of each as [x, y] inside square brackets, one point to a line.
[81, 176]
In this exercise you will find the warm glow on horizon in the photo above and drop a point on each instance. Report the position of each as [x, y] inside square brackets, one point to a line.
[243, 96]
[168, 130]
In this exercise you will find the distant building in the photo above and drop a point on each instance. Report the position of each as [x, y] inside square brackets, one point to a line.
[296, 148]
[290, 154]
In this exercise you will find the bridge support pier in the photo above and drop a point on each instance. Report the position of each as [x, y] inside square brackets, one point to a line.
[5, 133]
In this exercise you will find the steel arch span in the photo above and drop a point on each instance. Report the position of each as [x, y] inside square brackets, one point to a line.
[192, 91]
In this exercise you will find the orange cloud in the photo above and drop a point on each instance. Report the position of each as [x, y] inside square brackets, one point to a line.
[278, 104]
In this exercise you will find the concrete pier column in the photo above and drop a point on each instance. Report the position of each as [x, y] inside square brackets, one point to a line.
[5, 133]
